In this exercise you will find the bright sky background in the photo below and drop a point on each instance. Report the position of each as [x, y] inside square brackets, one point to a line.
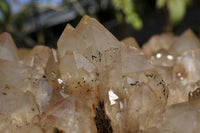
[16, 4]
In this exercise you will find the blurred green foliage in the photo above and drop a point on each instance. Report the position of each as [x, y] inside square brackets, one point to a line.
[13, 22]
[5, 10]
[5, 13]
[176, 10]
[128, 8]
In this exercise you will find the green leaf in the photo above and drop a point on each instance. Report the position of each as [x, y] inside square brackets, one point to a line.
[5, 9]
[4, 6]
[160, 3]
[188, 2]
[118, 4]
[176, 9]
[127, 6]
[134, 20]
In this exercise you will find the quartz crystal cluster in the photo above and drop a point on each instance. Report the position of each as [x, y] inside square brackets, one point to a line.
[94, 83]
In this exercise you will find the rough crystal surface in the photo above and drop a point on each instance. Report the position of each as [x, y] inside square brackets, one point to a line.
[95, 83]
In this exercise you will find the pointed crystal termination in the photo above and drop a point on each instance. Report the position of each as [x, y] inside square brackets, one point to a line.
[133, 61]
[8, 50]
[188, 40]
[95, 83]
[157, 43]
[130, 41]
[187, 66]
[99, 36]
[69, 41]
[71, 115]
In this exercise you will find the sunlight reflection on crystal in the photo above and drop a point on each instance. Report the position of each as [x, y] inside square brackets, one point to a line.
[158, 55]
[170, 57]
[112, 97]
[60, 81]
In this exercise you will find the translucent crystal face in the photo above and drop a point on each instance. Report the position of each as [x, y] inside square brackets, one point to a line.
[95, 83]
[8, 50]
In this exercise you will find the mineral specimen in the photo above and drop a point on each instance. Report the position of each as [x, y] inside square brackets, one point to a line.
[95, 83]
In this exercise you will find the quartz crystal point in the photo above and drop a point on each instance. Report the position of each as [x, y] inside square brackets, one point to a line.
[130, 41]
[147, 101]
[99, 36]
[157, 43]
[187, 66]
[188, 40]
[95, 83]
[8, 50]
[71, 115]
[38, 58]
